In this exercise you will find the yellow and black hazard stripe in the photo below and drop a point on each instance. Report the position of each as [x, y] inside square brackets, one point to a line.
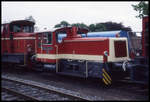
[106, 78]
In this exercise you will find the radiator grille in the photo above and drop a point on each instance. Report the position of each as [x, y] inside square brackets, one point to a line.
[120, 49]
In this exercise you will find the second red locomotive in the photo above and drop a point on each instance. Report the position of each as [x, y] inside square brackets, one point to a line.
[83, 57]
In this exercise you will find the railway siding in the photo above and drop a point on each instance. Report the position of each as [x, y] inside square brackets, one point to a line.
[10, 96]
[62, 91]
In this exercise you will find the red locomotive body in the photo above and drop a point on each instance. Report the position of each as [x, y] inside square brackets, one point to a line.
[104, 58]
[83, 57]
[17, 41]
[145, 37]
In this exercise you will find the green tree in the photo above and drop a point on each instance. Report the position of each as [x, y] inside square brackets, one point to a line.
[91, 27]
[142, 8]
[57, 25]
[100, 27]
[62, 24]
[110, 26]
[81, 25]
[107, 26]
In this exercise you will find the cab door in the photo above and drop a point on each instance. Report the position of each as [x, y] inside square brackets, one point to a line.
[45, 48]
[5, 39]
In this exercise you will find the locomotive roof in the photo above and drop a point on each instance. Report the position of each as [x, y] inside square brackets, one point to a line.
[50, 30]
[59, 29]
[21, 22]
[46, 30]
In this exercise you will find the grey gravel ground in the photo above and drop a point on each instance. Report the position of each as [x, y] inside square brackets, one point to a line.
[5, 96]
[40, 94]
[36, 92]
[89, 88]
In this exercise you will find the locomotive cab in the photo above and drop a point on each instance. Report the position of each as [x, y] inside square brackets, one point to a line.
[47, 47]
[22, 26]
[17, 38]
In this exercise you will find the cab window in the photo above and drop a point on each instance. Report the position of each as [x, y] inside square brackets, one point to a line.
[28, 29]
[60, 36]
[2, 27]
[21, 28]
[16, 28]
[47, 38]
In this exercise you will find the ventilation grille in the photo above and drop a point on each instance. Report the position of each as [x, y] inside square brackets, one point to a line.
[120, 49]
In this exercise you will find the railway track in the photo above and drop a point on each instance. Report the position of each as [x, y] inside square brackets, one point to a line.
[120, 90]
[38, 91]
[14, 95]
[131, 86]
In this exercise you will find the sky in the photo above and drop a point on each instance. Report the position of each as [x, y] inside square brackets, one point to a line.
[48, 14]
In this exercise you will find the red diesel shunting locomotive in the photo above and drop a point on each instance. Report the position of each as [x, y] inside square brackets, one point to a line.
[84, 57]
[104, 58]
[17, 42]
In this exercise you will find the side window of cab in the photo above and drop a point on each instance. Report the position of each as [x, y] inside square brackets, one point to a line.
[2, 28]
[60, 36]
[47, 38]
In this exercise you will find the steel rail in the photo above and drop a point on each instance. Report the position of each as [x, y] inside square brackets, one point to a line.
[50, 90]
[19, 94]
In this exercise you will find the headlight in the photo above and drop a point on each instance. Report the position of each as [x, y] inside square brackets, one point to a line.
[105, 53]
